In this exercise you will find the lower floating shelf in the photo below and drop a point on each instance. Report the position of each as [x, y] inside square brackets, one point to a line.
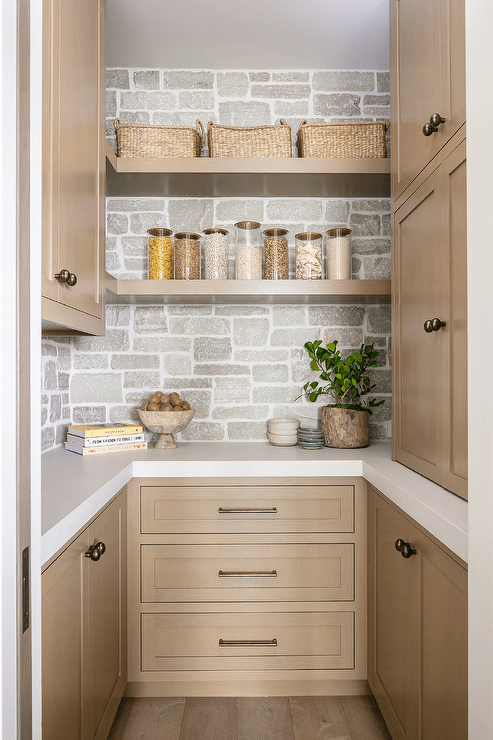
[246, 291]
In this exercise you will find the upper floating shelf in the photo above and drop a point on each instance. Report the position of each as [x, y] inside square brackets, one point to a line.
[206, 177]
[246, 291]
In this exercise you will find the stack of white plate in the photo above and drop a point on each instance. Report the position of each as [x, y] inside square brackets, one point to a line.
[283, 432]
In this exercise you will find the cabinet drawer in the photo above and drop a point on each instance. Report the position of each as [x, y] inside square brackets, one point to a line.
[247, 572]
[247, 509]
[249, 641]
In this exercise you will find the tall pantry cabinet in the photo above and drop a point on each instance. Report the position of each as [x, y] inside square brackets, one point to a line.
[429, 239]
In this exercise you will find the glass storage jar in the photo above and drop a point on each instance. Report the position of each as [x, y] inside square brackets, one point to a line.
[309, 256]
[215, 254]
[339, 254]
[160, 254]
[187, 256]
[248, 250]
[276, 256]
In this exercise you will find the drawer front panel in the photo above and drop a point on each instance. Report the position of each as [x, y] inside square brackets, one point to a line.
[247, 641]
[246, 509]
[247, 572]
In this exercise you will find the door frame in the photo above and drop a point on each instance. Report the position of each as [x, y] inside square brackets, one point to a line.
[16, 381]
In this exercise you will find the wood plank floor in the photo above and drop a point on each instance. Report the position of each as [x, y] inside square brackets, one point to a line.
[263, 718]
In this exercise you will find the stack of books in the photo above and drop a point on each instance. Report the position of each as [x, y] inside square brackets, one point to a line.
[97, 439]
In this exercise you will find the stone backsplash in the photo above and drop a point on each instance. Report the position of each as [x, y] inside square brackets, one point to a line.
[244, 98]
[237, 365]
[128, 220]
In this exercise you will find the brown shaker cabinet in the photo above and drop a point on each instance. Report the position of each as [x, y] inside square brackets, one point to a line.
[73, 163]
[244, 587]
[428, 177]
[84, 631]
[417, 627]
[430, 367]
[427, 78]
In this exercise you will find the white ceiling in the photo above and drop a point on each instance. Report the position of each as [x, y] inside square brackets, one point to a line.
[248, 34]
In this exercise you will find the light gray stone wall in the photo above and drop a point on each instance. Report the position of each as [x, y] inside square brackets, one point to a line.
[237, 365]
[244, 98]
[128, 220]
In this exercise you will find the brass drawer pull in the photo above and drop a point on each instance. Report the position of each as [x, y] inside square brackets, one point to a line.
[247, 574]
[248, 643]
[247, 511]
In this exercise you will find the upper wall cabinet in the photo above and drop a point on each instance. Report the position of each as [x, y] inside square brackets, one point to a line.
[73, 188]
[429, 314]
[428, 78]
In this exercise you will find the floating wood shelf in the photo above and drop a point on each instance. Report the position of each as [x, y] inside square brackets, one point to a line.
[206, 177]
[246, 291]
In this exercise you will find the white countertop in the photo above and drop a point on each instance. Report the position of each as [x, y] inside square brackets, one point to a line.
[75, 488]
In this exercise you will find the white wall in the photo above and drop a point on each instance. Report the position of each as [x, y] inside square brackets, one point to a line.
[479, 21]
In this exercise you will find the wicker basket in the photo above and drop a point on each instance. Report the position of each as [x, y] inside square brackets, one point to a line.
[254, 141]
[365, 139]
[143, 140]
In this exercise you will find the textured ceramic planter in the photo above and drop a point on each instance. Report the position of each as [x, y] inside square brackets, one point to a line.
[345, 428]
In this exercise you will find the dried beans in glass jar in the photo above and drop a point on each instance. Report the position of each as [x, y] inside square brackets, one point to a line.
[276, 259]
[215, 251]
[187, 256]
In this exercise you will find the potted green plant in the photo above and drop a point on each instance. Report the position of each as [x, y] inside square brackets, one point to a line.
[345, 422]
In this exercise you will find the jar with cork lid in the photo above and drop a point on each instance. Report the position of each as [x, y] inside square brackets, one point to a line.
[248, 250]
[339, 254]
[160, 254]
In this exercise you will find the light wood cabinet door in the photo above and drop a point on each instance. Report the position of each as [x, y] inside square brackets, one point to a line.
[73, 161]
[390, 601]
[417, 629]
[441, 633]
[428, 76]
[84, 632]
[105, 652]
[62, 623]
[430, 369]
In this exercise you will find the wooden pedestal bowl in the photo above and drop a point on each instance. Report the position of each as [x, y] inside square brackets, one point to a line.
[166, 423]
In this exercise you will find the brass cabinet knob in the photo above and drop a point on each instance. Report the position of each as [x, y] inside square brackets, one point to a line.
[65, 276]
[436, 119]
[433, 325]
[95, 551]
[432, 127]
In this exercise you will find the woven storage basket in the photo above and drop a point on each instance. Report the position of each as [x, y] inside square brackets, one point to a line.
[254, 141]
[143, 140]
[365, 139]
